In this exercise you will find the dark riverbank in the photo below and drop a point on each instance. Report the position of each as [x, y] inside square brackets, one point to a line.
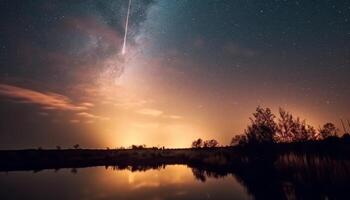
[220, 157]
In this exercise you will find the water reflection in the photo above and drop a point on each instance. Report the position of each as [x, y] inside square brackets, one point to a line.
[170, 182]
[288, 176]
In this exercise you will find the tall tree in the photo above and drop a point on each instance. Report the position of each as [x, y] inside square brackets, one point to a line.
[292, 129]
[262, 128]
[285, 126]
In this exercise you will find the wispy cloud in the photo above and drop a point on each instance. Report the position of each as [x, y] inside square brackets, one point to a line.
[130, 103]
[92, 116]
[87, 104]
[150, 112]
[157, 113]
[174, 116]
[46, 100]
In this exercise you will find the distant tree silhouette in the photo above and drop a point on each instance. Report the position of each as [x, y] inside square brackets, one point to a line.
[210, 143]
[143, 146]
[286, 126]
[292, 129]
[262, 128]
[238, 140]
[197, 143]
[303, 131]
[76, 146]
[328, 130]
[313, 134]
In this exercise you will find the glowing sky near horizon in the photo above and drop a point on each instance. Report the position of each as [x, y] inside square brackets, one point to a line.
[193, 68]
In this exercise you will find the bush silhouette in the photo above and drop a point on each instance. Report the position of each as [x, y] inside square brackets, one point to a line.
[143, 146]
[238, 140]
[328, 130]
[210, 143]
[197, 143]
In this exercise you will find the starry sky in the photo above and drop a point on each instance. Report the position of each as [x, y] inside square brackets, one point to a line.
[192, 68]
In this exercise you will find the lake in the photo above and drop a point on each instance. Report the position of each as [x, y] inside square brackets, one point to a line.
[287, 176]
[171, 182]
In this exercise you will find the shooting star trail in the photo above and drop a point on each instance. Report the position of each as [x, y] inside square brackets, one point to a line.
[126, 29]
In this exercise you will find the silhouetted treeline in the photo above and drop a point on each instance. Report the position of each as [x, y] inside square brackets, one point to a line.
[199, 143]
[266, 128]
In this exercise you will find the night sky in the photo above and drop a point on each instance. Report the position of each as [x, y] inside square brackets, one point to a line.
[192, 68]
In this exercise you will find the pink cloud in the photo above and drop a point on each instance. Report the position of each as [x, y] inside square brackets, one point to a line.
[46, 100]
[92, 116]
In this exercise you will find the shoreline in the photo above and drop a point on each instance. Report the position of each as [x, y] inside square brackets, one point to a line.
[38, 159]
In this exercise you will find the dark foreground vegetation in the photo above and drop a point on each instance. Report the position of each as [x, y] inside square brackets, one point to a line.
[38, 159]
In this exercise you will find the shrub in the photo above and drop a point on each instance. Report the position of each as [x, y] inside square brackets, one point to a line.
[238, 140]
[210, 143]
[197, 143]
[328, 130]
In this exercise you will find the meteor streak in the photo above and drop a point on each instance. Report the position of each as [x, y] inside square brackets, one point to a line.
[126, 28]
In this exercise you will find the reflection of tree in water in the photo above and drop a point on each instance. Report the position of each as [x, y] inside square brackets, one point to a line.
[271, 176]
[202, 175]
[314, 176]
[199, 174]
[134, 168]
[289, 176]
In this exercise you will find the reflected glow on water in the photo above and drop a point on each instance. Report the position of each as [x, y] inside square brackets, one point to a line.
[172, 182]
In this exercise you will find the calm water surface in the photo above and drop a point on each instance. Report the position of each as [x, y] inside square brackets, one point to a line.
[289, 176]
[171, 182]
